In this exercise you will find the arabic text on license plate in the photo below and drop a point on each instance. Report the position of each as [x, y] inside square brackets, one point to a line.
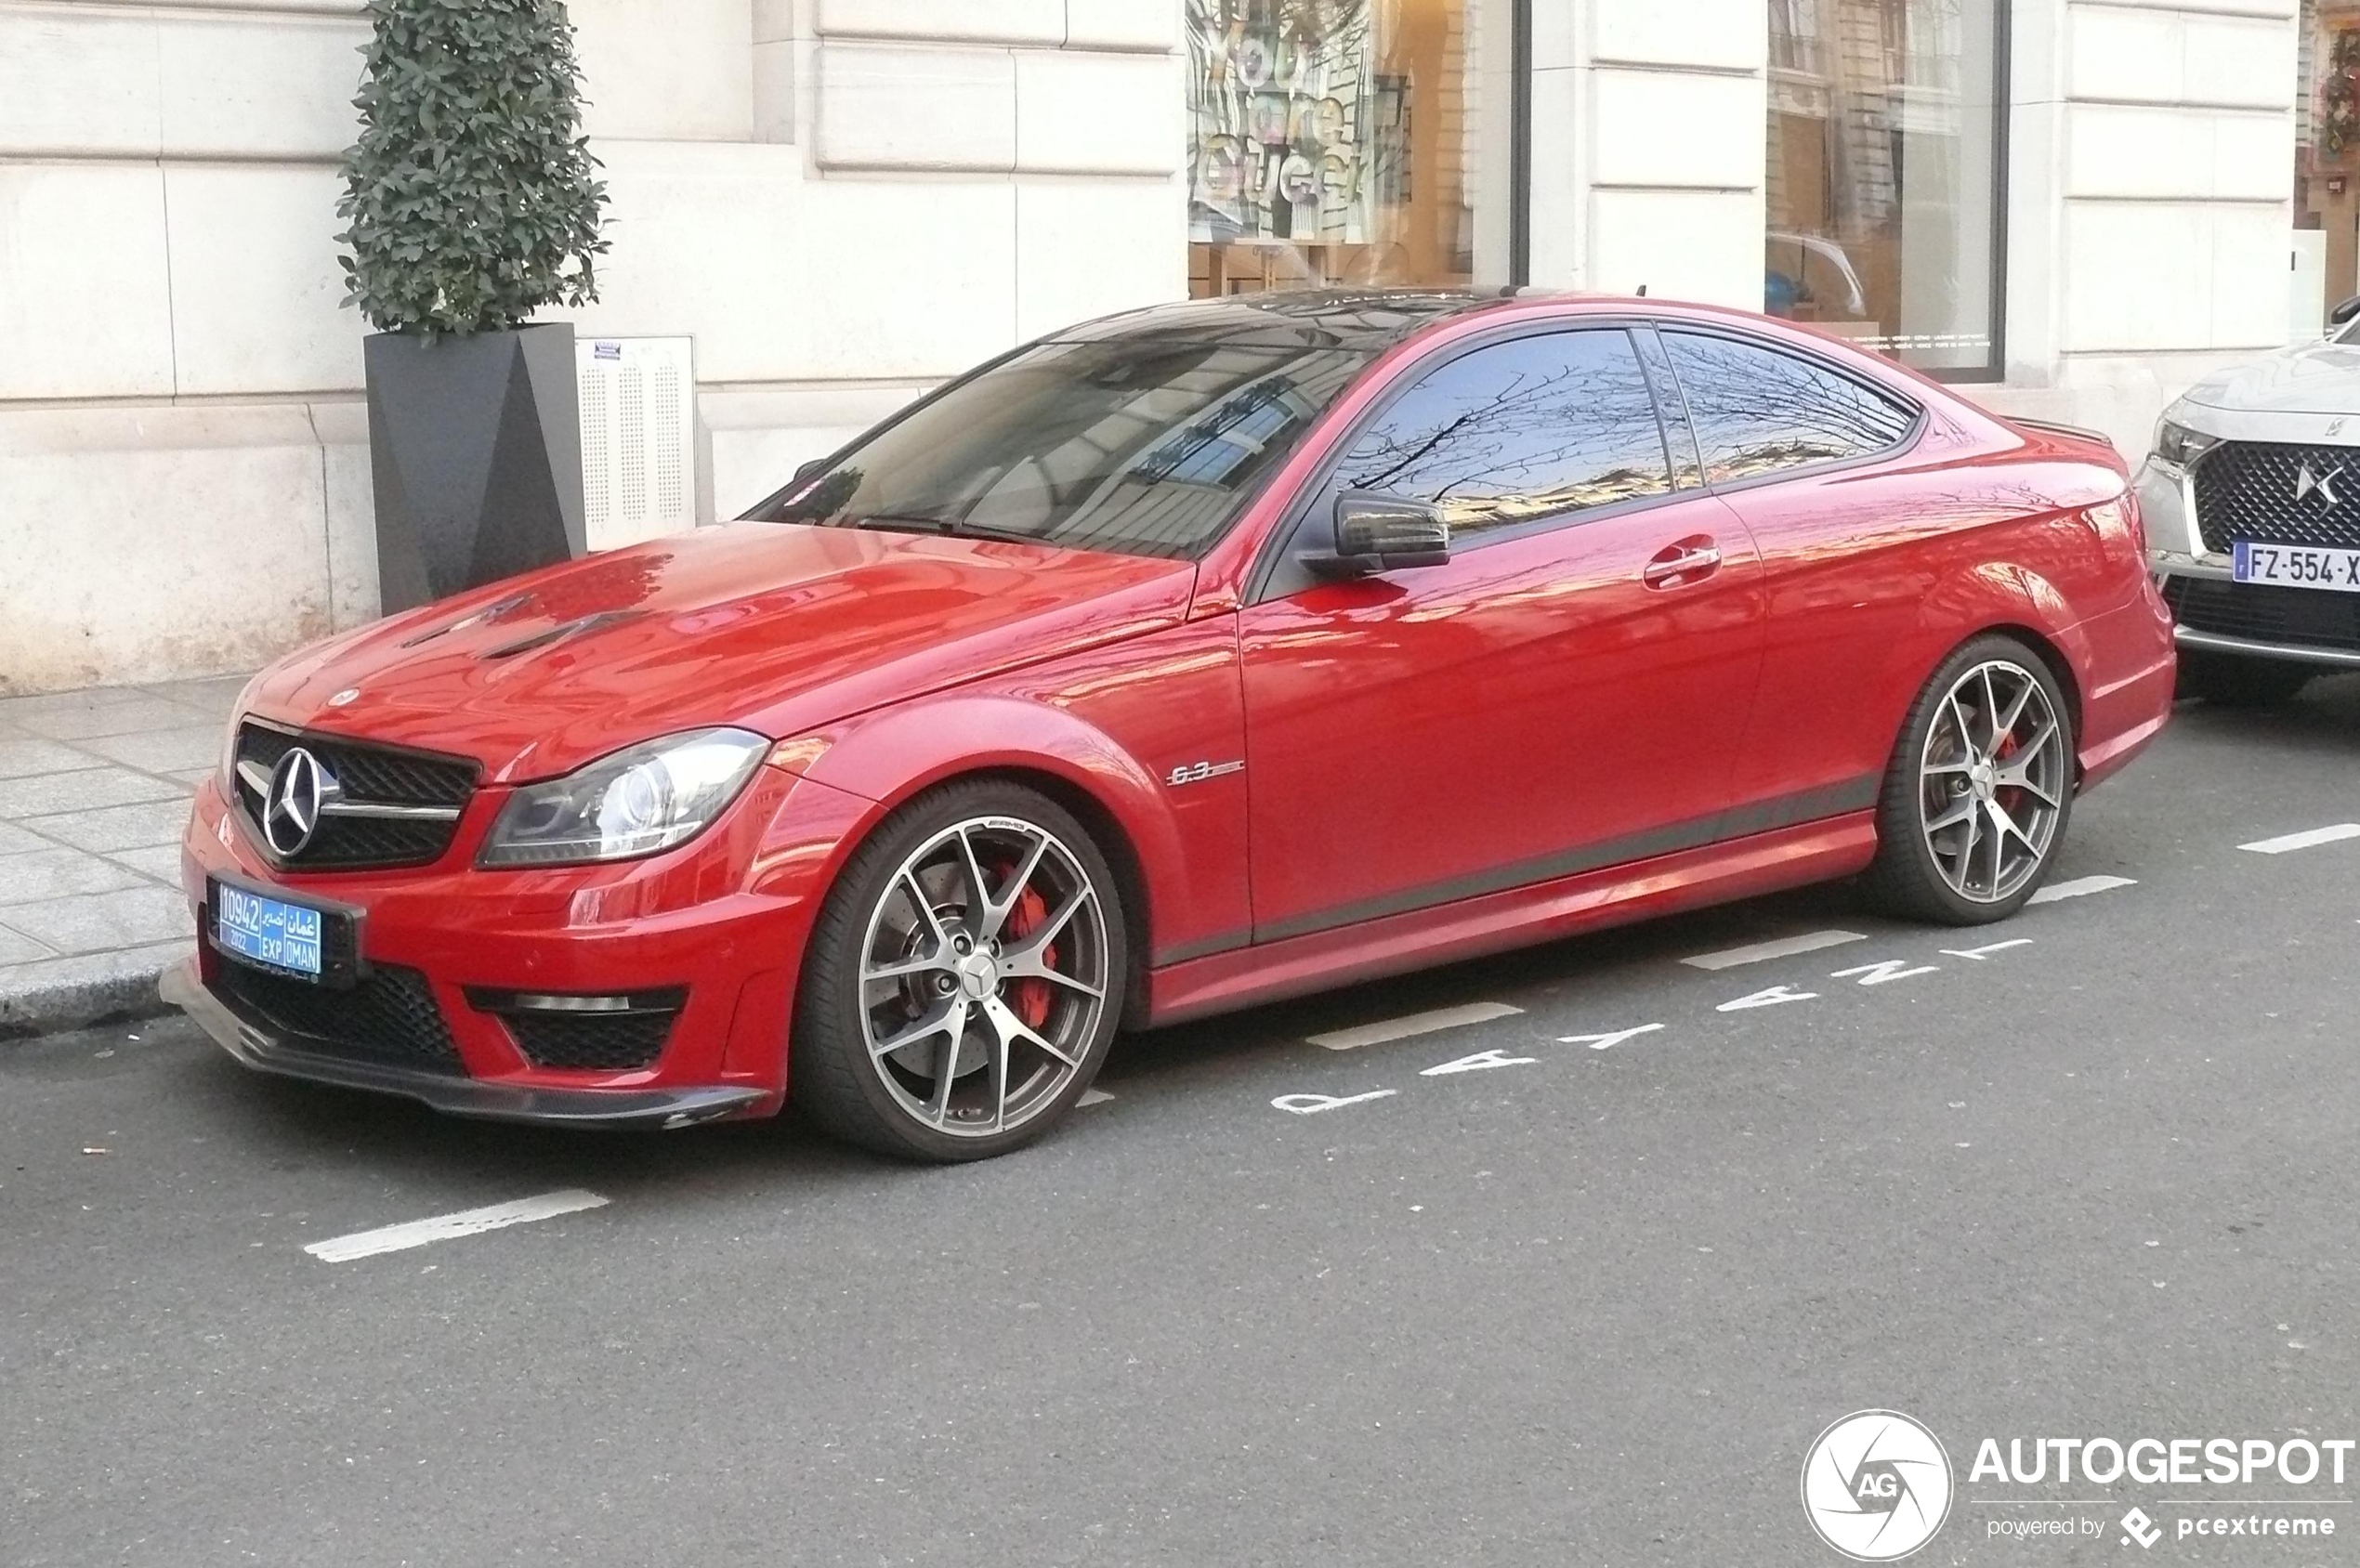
[2296, 565]
[283, 936]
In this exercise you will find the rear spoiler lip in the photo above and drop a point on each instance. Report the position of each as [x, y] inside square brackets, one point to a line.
[2053, 427]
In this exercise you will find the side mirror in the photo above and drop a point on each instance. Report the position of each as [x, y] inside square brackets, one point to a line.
[1382, 533]
[2344, 312]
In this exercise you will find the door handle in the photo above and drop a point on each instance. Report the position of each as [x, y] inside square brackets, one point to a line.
[1682, 562]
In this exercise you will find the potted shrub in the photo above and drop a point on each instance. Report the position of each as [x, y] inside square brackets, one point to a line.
[472, 202]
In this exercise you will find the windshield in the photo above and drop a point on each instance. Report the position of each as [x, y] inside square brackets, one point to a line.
[1140, 447]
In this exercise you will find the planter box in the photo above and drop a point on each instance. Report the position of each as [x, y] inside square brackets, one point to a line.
[475, 453]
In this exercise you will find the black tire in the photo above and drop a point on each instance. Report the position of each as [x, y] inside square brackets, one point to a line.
[2231, 680]
[833, 1081]
[1907, 878]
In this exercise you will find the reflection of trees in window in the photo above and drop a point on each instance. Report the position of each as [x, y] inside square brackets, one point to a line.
[1520, 430]
[1756, 409]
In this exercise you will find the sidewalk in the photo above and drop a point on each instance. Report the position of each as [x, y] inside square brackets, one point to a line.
[94, 793]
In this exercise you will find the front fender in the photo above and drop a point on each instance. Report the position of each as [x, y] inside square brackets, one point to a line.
[1186, 843]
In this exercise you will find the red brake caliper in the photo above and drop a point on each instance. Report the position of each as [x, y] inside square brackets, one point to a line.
[1029, 999]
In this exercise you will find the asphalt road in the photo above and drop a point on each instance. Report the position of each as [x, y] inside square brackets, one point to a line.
[1590, 1307]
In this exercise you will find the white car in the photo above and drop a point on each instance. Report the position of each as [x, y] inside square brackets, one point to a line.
[2251, 499]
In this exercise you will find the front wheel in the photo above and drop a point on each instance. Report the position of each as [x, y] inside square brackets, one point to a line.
[1976, 795]
[963, 979]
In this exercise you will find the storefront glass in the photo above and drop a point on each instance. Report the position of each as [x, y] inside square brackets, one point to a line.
[1883, 191]
[1347, 142]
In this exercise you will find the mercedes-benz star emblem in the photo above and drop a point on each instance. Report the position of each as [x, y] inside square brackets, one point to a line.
[300, 789]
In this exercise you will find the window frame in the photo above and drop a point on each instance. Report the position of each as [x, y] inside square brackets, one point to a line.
[1920, 415]
[1284, 546]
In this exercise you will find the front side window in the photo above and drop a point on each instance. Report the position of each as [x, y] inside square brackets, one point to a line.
[1758, 410]
[1882, 203]
[1142, 448]
[1521, 430]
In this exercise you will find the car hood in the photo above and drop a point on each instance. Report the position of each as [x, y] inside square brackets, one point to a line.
[2315, 378]
[778, 628]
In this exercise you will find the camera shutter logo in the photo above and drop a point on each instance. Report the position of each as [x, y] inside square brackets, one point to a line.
[1876, 1485]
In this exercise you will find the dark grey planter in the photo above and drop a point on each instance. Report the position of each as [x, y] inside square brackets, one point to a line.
[475, 453]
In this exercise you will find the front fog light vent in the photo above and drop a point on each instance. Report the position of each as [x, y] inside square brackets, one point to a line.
[609, 1032]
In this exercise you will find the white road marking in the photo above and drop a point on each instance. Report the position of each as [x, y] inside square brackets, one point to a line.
[1979, 954]
[417, 1233]
[1312, 1104]
[1481, 1060]
[1782, 947]
[1412, 1023]
[1770, 998]
[2309, 839]
[1602, 1042]
[1091, 1097]
[1889, 970]
[2081, 887]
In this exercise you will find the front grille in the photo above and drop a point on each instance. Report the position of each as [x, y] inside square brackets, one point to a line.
[2246, 490]
[388, 1019]
[2265, 612]
[604, 1041]
[367, 774]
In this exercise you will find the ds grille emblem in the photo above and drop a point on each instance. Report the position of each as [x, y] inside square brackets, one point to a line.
[2305, 482]
[1197, 773]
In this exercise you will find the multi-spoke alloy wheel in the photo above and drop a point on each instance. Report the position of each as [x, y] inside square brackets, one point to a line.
[1979, 788]
[1993, 775]
[966, 977]
[983, 975]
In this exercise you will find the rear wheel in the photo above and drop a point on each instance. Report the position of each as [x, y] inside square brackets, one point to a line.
[965, 978]
[1979, 787]
[2234, 682]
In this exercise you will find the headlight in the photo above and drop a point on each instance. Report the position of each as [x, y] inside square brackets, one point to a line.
[2177, 443]
[638, 801]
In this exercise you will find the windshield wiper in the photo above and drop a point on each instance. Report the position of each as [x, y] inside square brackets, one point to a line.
[927, 522]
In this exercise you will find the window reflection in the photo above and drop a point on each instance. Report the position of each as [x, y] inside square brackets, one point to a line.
[1884, 126]
[1517, 431]
[1756, 409]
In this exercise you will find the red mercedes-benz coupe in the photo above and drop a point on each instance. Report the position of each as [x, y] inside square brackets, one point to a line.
[1184, 660]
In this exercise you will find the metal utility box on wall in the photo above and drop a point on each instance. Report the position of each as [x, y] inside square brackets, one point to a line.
[638, 437]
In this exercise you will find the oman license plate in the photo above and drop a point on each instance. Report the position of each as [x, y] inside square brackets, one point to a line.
[2295, 566]
[268, 931]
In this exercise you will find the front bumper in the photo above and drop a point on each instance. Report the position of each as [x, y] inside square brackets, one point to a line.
[255, 1044]
[2212, 613]
[446, 952]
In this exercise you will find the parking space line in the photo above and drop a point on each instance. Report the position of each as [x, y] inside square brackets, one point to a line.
[445, 1227]
[1782, 947]
[1412, 1023]
[2307, 839]
[2083, 886]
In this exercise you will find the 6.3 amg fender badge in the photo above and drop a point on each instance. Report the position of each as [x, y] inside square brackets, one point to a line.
[1197, 773]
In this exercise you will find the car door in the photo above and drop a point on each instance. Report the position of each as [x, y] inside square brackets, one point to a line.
[1801, 449]
[1568, 690]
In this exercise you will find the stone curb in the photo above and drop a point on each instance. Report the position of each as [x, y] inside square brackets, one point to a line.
[51, 998]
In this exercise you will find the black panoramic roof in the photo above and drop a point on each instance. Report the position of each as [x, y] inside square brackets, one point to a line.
[1367, 321]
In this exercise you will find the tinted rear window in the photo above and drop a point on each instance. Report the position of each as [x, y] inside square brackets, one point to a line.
[1757, 409]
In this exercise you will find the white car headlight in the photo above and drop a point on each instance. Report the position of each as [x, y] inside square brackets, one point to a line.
[2177, 443]
[634, 802]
